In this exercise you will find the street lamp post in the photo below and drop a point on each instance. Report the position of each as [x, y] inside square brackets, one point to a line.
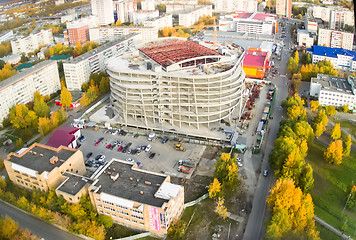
[343, 210]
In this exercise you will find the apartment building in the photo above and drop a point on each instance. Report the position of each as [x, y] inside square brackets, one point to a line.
[78, 31]
[42, 167]
[284, 8]
[339, 57]
[336, 16]
[304, 38]
[189, 18]
[104, 10]
[139, 17]
[31, 43]
[77, 71]
[310, 24]
[334, 91]
[235, 5]
[160, 22]
[251, 23]
[124, 9]
[148, 5]
[137, 198]
[335, 39]
[7, 36]
[101, 35]
[20, 88]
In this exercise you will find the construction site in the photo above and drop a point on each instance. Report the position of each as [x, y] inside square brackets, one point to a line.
[178, 86]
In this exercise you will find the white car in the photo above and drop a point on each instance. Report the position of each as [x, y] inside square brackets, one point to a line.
[148, 148]
[239, 164]
[114, 132]
[130, 160]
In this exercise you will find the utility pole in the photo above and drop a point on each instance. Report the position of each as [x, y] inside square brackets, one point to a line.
[343, 210]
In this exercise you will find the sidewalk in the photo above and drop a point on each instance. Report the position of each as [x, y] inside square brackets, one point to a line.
[331, 228]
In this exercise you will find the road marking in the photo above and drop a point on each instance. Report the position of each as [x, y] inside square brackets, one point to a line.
[283, 75]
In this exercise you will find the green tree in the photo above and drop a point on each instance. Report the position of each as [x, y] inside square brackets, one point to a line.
[330, 110]
[66, 97]
[20, 117]
[336, 132]
[345, 108]
[19, 143]
[292, 66]
[106, 221]
[347, 146]
[226, 170]
[8, 228]
[321, 117]
[92, 93]
[104, 86]
[40, 107]
[307, 179]
[296, 112]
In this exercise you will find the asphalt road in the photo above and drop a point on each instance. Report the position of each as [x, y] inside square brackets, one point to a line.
[256, 217]
[36, 225]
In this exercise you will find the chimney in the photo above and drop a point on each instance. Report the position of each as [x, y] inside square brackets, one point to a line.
[115, 177]
[131, 178]
[147, 182]
[141, 192]
[138, 180]
[41, 155]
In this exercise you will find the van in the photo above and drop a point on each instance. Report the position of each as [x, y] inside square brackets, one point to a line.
[151, 136]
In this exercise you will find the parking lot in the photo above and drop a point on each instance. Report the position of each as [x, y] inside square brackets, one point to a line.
[164, 161]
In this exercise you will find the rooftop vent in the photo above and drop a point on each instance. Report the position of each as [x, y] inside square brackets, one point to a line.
[34, 153]
[147, 182]
[41, 155]
[53, 159]
[141, 192]
[131, 178]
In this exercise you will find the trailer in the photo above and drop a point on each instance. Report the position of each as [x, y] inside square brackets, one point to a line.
[264, 117]
[259, 127]
[266, 110]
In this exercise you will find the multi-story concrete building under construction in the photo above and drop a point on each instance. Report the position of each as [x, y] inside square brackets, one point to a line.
[176, 82]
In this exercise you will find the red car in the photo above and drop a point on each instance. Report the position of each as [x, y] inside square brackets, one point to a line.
[108, 146]
[184, 169]
[120, 148]
[99, 140]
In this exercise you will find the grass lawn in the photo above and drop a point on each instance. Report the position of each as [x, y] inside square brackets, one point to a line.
[118, 231]
[331, 184]
[349, 125]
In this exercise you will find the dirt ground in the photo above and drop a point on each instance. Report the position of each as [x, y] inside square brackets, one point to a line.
[204, 222]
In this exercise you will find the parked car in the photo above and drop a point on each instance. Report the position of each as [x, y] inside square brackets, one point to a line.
[99, 140]
[152, 155]
[239, 164]
[112, 146]
[120, 148]
[114, 132]
[128, 145]
[108, 146]
[184, 169]
[164, 140]
[186, 163]
[130, 160]
[265, 173]
[89, 154]
[82, 138]
[135, 135]
[100, 157]
[148, 148]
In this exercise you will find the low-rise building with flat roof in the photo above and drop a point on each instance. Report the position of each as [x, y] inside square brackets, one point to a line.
[42, 167]
[255, 63]
[136, 198]
[334, 91]
[73, 187]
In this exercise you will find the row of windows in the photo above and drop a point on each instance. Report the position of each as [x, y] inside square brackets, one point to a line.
[121, 218]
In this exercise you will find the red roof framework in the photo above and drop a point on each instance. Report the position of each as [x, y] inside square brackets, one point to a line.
[171, 51]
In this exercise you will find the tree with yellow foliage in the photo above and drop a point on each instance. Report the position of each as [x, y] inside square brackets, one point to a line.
[214, 188]
[336, 132]
[66, 98]
[334, 152]
[296, 112]
[330, 110]
[347, 146]
[220, 208]
[44, 125]
[319, 129]
[226, 170]
[292, 211]
[84, 101]
[314, 105]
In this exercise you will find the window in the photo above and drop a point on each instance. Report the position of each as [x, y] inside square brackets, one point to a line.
[133, 221]
[126, 219]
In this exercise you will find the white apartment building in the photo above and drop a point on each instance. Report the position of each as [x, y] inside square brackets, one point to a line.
[339, 57]
[104, 34]
[336, 17]
[321, 12]
[20, 88]
[104, 10]
[304, 38]
[335, 39]
[189, 18]
[310, 24]
[251, 23]
[148, 5]
[32, 42]
[7, 36]
[235, 5]
[77, 71]
[160, 22]
[139, 17]
[334, 91]
[124, 9]
[91, 21]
